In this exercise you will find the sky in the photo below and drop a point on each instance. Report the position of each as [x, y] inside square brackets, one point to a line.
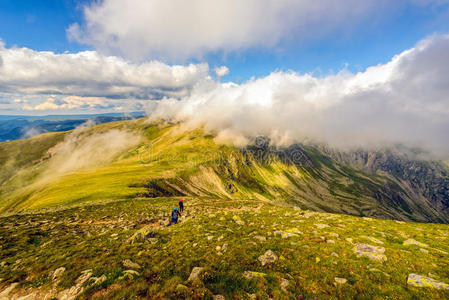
[327, 70]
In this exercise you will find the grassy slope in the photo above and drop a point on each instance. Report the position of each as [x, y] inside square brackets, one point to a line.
[216, 177]
[191, 162]
[95, 237]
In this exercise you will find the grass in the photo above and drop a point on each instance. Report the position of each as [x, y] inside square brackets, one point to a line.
[95, 237]
[82, 219]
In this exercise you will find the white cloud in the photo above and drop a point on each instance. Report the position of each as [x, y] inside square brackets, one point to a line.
[179, 29]
[70, 103]
[91, 74]
[221, 71]
[404, 101]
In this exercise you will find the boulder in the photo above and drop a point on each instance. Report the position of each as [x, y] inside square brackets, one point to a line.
[196, 271]
[131, 265]
[142, 235]
[57, 274]
[268, 258]
[340, 280]
[373, 252]
[414, 242]
[423, 281]
[252, 275]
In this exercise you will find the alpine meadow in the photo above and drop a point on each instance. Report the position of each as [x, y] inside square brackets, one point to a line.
[210, 149]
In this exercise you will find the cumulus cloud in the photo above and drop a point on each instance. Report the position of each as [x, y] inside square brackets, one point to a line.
[221, 71]
[403, 101]
[70, 102]
[179, 29]
[90, 74]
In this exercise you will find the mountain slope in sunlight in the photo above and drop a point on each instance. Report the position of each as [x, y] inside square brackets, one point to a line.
[149, 159]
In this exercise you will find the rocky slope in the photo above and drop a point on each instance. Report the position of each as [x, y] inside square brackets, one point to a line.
[221, 249]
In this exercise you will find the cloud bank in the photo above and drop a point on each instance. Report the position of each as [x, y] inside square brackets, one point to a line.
[403, 101]
[91, 74]
[178, 29]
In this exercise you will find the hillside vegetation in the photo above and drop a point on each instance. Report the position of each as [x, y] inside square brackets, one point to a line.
[84, 214]
[125, 160]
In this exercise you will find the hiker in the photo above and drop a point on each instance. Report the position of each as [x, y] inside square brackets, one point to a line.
[174, 216]
[181, 205]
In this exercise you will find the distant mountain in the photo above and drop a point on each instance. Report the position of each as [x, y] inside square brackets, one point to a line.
[145, 159]
[19, 127]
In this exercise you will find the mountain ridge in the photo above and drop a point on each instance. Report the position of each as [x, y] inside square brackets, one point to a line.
[169, 160]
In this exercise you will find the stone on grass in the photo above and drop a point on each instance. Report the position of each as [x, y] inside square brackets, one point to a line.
[414, 242]
[321, 226]
[251, 274]
[131, 265]
[130, 274]
[57, 274]
[268, 258]
[219, 297]
[373, 252]
[374, 240]
[284, 284]
[340, 280]
[260, 238]
[142, 235]
[5, 293]
[423, 281]
[196, 271]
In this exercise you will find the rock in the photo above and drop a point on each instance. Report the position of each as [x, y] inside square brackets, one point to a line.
[219, 297]
[340, 280]
[129, 274]
[196, 271]
[284, 284]
[372, 252]
[97, 280]
[374, 240]
[414, 242]
[333, 234]
[252, 275]
[423, 250]
[57, 274]
[260, 238]
[422, 281]
[210, 237]
[131, 265]
[330, 241]
[142, 235]
[5, 293]
[321, 226]
[78, 288]
[288, 233]
[268, 258]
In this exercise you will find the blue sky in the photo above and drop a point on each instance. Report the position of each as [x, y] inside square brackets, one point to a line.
[252, 39]
[42, 25]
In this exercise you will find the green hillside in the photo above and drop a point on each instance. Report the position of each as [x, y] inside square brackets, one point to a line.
[84, 214]
[132, 159]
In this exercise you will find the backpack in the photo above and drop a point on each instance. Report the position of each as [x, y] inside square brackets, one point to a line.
[174, 215]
